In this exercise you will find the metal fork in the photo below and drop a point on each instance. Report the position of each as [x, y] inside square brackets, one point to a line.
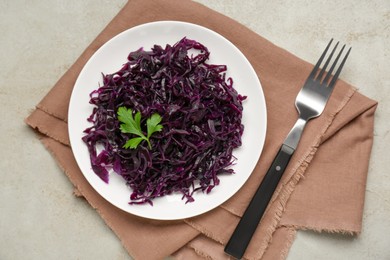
[310, 103]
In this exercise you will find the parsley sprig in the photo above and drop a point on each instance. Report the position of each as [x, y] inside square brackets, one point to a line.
[132, 125]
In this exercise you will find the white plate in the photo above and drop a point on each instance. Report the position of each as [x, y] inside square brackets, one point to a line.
[110, 58]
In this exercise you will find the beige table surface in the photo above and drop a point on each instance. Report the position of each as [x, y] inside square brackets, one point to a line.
[39, 40]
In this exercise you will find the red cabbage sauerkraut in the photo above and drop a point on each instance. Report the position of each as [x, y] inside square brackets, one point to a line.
[201, 117]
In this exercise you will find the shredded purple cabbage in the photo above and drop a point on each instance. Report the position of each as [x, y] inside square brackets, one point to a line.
[201, 117]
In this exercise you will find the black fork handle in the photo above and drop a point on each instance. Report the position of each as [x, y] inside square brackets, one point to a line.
[246, 227]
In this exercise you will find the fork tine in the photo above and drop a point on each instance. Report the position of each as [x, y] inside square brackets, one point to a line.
[320, 75]
[335, 77]
[315, 69]
[326, 80]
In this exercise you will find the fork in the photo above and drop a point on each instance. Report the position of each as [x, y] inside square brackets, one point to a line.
[310, 103]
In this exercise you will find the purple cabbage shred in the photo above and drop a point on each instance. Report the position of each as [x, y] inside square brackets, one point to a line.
[201, 117]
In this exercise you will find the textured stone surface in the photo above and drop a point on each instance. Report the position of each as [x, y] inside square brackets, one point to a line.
[39, 215]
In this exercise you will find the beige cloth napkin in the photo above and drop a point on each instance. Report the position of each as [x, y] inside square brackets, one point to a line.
[322, 189]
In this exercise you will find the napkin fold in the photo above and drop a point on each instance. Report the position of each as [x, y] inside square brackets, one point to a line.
[322, 189]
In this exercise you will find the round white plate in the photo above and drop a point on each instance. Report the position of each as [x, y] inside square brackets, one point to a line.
[110, 58]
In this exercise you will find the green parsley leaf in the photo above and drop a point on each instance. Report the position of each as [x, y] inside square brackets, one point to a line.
[133, 143]
[132, 125]
[129, 126]
[153, 124]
